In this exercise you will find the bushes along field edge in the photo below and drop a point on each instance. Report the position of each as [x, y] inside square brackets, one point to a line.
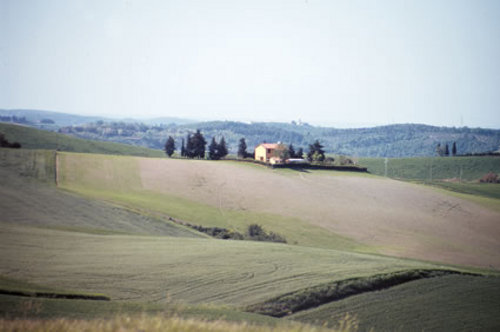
[312, 297]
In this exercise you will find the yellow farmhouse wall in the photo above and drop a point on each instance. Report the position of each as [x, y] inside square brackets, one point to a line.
[261, 153]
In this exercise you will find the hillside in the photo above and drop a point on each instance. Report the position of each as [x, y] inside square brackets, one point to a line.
[31, 138]
[399, 140]
[433, 168]
[106, 230]
[315, 208]
[387, 141]
[404, 307]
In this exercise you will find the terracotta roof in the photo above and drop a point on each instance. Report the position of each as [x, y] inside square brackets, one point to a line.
[269, 145]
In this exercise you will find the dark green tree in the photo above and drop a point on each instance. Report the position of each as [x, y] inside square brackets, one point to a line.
[242, 148]
[213, 150]
[170, 146]
[189, 150]
[183, 149]
[299, 153]
[222, 148]
[439, 150]
[198, 144]
[446, 150]
[454, 149]
[316, 152]
[291, 151]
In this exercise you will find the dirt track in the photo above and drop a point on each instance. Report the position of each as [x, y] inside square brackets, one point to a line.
[398, 218]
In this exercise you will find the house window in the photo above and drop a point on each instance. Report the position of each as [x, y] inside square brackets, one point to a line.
[268, 150]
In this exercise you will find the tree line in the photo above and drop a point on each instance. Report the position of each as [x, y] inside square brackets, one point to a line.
[194, 146]
[444, 150]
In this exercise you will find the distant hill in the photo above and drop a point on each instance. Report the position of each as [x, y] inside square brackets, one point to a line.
[404, 140]
[399, 140]
[39, 118]
[32, 138]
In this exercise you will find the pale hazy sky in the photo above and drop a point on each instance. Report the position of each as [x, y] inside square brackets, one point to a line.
[326, 62]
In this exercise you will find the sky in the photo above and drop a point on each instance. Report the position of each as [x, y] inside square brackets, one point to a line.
[330, 63]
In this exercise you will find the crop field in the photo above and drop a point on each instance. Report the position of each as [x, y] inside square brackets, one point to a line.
[403, 307]
[26, 202]
[316, 208]
[100, 226]
[433, 168]
[162, 269]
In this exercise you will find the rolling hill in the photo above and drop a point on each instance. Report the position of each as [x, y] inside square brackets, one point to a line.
[102, 224]
[398, 140]
[31, 138]
[317, 208]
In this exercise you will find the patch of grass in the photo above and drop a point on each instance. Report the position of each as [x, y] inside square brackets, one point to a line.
[18, 288]
[308, 298]
[30, 202]
[294, 230]
[31, 138]
[168, 269]
[14, 307]
[489, 190]
[37, 164]
[448, 303]
[157, 323]
[432, 168]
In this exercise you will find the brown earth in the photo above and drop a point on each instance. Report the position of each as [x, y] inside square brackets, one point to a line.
[398, 218]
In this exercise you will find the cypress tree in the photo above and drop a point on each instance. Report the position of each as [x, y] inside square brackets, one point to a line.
[183, 149]
[198, 144]
[213, 150]
[300, 153]
[222, 148]
[189, 146]
[242, 148]
[454, 149]
[439, 150]
[446, 150]
[170, 146]
[291, 151]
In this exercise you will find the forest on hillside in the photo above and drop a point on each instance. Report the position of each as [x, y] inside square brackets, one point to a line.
[405, 140]
[399, 140]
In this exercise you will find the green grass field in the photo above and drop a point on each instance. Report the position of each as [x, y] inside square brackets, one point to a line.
[163, 269]
[452, 303]
[31, 138]
[105, 229]
[433, 168]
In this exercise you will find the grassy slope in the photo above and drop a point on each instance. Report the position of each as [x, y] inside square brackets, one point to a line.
[163, 269]
[167, 269]
[470, 168]
[27, 202]
[37, 164]
[452, 303]
[116, 179]
[160, 322]
[307, 208]
[31, 138]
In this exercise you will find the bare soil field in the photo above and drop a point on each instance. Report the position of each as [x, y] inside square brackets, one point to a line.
[398, 218]
[395, 218]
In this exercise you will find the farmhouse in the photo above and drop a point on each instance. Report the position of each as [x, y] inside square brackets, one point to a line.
[270, 152]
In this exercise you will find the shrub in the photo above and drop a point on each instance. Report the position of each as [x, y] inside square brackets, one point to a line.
[490, 178]
[257, 233]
